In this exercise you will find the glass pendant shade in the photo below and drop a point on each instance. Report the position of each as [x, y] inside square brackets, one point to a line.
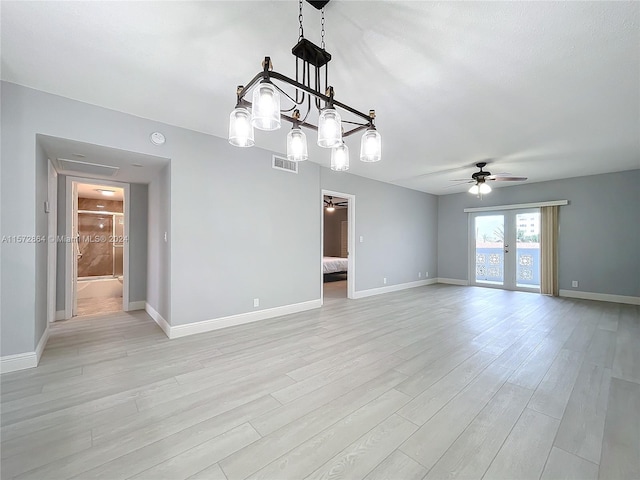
[484, 188]
[340, 158]
[297, 145]
[240, 128]
[265, 112]
[371, 146]
[474, 190]
[329, 128]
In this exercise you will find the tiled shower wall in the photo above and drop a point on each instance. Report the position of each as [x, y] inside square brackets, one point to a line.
[95, 244]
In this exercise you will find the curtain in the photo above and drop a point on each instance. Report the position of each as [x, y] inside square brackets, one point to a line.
[549, 250]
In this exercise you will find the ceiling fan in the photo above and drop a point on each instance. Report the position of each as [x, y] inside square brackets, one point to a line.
[480, 179]
[330, 206]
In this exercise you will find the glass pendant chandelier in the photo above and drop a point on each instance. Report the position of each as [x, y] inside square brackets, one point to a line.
[340, 158]
[297, 145]
[309, 92]
[329, 128]
[240, 128]
[371, 146]
[297, 141]
[265, 113]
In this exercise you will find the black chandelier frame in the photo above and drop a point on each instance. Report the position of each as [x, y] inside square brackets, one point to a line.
[310, 55]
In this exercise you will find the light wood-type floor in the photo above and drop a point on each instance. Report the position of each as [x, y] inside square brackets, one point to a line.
[92, 306]
[433, 382]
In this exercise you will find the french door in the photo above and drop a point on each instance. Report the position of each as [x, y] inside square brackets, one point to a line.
[505, 249]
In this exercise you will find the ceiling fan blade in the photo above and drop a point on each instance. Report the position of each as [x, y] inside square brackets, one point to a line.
[461, 180]
[461, 183]
[506, 179]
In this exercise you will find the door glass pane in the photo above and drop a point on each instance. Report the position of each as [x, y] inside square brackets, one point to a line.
[95, 248]
[528, 249]
[490, 249]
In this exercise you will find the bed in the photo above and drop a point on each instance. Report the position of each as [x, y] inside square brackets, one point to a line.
[334, 265]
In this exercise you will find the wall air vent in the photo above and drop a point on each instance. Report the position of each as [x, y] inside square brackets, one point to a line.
[281, 163]
[86, 168]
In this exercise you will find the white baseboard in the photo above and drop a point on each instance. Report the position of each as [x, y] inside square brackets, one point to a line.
[141, 305]
[240, 319]
[602, 297]
[453, 281]
[22, 361]
[393, 288]
[162, 323]
[60, 315]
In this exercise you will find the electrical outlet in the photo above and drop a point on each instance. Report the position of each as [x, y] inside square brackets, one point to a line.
[574, 284]
[256, 302]
[419, 274]
[384, 280]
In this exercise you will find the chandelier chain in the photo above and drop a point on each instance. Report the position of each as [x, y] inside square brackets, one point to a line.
[322, 32]
[300, 29]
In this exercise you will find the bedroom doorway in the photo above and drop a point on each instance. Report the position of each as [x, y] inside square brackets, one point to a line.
[338, 255]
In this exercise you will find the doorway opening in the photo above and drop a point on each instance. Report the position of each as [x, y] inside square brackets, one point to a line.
[505, 249]
[98, 258]
[338, 255]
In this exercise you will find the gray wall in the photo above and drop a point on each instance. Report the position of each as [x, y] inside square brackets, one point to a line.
[159, 258]
[41, 193]
[234, 233]
[398, 227]
[61, 246]
[137, 242]
[599, 230]
[18, 217]
[333, 231]
[138, 231]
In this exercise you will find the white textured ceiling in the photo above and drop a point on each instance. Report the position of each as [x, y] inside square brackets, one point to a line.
[542, 89]
[131, 167]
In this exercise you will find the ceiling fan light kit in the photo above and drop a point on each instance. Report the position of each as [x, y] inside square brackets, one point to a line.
[330, 206]
[479, 179]
[264, 111]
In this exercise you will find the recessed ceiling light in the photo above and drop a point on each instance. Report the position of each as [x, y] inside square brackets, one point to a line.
[79, 155]
[106, 193]
[137, 165]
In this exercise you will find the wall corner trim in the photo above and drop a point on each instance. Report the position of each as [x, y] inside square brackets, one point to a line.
[159, 319]
[602, 297]
[22, 361]
[393, 288]
[240, 319]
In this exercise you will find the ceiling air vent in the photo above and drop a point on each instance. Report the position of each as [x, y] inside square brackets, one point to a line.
[66, 165]
[281, 163]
